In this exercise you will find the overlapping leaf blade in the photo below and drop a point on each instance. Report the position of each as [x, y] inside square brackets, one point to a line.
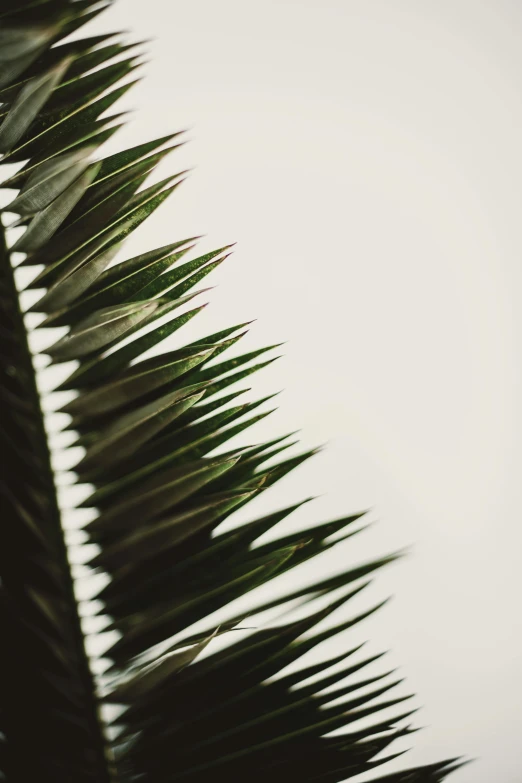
[150, 428]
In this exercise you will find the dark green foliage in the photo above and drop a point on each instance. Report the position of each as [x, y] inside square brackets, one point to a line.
[150, 428]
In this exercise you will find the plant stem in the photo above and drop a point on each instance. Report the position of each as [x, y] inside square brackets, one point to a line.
[56, 702]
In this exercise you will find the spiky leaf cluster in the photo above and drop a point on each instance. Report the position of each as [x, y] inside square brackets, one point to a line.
[154, 428]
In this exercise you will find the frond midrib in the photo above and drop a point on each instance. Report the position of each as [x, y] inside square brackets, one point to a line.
[102, 764]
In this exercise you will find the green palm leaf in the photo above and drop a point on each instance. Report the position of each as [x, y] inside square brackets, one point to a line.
[153, 429]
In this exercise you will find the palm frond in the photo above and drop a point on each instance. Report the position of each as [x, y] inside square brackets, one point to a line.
[153, 430]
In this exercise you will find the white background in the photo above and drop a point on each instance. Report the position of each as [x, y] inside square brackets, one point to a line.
[366, 156]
